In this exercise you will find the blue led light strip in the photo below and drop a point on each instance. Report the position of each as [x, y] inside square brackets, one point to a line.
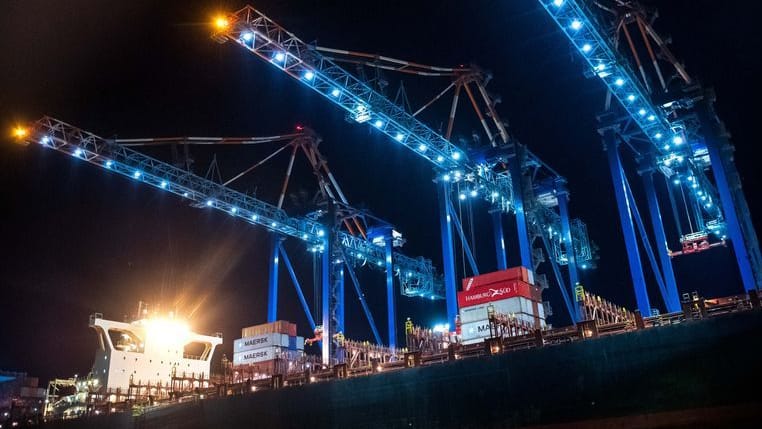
[260, 35]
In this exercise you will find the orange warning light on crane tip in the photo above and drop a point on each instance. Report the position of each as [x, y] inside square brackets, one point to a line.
[221, 22]
[20, 132]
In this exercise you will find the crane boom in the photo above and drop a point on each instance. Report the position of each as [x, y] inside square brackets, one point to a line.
[668, 137]
[259, 34]
[418, 275]
[686, 134]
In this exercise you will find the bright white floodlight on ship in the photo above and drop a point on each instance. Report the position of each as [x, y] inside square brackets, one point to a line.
[168, 331]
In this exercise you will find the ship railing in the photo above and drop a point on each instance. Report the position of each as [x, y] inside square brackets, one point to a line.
[664, 319]
[615, 328]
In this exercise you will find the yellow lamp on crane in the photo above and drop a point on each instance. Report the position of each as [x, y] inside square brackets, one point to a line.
[20, 132]
[221, 23]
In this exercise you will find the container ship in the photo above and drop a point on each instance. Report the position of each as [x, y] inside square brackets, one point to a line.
[502, 366]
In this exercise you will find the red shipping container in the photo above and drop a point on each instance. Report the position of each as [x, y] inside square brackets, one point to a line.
[488, 279]
[496, 292]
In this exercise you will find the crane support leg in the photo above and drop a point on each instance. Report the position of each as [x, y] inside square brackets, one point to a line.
[338, 279]
[570, 306]
[571, 257]
[525, 249]
[325, 282]
[728, 184]
[646, 242]
[297, 286]
[497, 229]
[448, 253]
[391, 316]
[272, 286]
[611, 144]
[672, 300]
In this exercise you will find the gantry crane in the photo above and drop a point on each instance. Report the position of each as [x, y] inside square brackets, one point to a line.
[496, 176]
[337, 248]
[669, 123]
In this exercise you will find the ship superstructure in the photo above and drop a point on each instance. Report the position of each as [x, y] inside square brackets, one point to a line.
[150, 351]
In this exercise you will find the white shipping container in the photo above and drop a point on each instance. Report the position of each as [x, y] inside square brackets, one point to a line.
[508, 306]
[257, 355]
[477, 330]
[260, 341]
[473, 313]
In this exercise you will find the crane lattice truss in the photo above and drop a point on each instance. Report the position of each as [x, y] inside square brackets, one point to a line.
[670, 124]
[417, 276]
[497, 177]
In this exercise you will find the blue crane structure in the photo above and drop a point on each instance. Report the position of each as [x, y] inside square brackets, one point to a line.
[506, 175]
[338, 249]
[669, 123]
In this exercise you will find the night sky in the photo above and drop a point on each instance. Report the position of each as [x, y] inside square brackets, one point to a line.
[76, 240]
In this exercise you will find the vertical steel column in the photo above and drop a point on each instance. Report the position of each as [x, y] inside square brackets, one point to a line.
[731, 217]
[673, 302]
[571, 257]
[272, 286]
[391, 313]
[448, 253]
[716, 142]
[325, 281]
[571, 306]
[339, 280]
[525, 249]
[611, 144]
[497, 229]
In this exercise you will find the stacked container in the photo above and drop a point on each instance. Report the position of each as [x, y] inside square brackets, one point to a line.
[264, 346]
[510, 292]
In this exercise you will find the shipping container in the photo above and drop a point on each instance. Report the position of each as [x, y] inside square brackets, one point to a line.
[265, 354]
[497, 292]
[277, 327]
[508, 306]
[477, 330]
[485, 280]
[257, 355]
[260, 341]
